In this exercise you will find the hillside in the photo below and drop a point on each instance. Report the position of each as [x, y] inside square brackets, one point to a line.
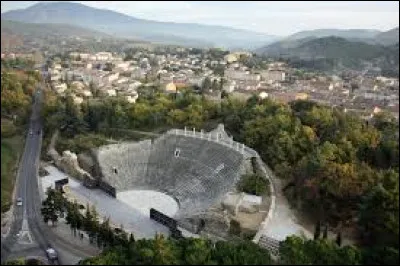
[347, 34]
[368, 36]
[10, 40]
[388, 37]
[335, 47]
[326, 47]
[280, 47]
[121, 25]
[335, 52]
[46, 30]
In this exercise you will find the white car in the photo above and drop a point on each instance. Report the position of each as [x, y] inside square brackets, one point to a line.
[19, 202]
[51, 254]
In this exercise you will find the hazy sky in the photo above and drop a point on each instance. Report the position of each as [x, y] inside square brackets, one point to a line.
[279, 18]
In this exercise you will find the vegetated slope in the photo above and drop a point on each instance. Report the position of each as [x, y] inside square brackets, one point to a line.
[347, 34]
[339, 52]
[10, 40]
[369, 36]
[327, 47]
[336, 47]
[281, 47]
[46, 30]
[125, 26]
[389, 37]
[10, 149]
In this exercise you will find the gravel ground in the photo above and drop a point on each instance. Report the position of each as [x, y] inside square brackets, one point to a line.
[132, 219]
[143, 200]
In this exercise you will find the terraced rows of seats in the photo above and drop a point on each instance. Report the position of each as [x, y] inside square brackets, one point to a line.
[197, 177]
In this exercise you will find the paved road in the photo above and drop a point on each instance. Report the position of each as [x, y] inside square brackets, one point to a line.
[28, 234]
[25, 217]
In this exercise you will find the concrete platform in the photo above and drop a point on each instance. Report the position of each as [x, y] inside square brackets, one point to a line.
[133, 219]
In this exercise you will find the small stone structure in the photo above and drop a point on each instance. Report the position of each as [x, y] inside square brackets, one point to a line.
[68, 162]
[250, 203]
[241, 202]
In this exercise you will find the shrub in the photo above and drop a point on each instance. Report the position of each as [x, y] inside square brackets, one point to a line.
[254, 184]
[234, 227]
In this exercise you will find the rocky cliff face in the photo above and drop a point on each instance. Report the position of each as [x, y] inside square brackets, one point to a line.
[68, 162]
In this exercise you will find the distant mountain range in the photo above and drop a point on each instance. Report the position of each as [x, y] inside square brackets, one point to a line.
[345, 47]
[120, 25]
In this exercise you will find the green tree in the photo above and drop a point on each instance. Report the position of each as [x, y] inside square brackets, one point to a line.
[298, 251]
[339, 239]
[325, 235]
[74, 217]
[206, 85]
[73, 122]
[164, 252]
[53, 206]
[254, 184]
[131, 238]
[214, 85]
[196, 252]
[88, 219]
[380, 255]
[317, 232]
[292, 251]
[379, 212]
[234, 227]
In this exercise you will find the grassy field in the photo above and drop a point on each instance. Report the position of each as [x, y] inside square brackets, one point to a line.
[8, 129]
[11, 149]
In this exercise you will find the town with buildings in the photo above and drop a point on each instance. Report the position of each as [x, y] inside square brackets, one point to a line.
[106, 74]
[109, 74]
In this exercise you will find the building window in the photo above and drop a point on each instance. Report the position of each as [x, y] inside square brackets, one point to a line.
[177, 152]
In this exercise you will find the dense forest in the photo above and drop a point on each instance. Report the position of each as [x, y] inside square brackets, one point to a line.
[342, 168]
[18, 81]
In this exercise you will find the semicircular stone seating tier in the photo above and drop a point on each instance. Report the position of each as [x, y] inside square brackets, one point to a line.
[194, 171]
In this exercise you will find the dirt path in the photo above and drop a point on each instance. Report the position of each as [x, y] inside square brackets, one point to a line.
[287, 221]
[284, 221]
